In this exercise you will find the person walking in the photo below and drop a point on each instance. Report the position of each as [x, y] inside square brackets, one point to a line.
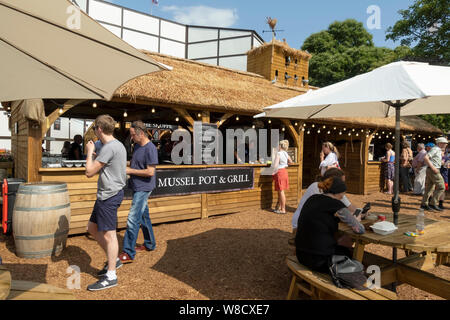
[434, 178]
[281, 177]
[444, 173]
[406, 158]
[389, 159]
[111, 166]
[420, 170]
[328, 157]
[142, 181]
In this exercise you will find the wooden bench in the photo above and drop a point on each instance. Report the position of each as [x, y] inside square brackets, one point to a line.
[27, 290]
[320, 286]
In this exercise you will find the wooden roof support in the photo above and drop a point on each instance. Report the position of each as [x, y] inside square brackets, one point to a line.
[291, 130]
[56, 114]
[186, 116]
[224, 118]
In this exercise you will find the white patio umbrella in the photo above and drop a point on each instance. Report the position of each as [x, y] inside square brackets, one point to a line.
[409, 88]
[50, 50]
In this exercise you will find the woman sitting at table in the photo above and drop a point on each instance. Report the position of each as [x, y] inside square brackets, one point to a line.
[317, 234]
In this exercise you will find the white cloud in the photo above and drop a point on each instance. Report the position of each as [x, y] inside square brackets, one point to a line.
[203, 16]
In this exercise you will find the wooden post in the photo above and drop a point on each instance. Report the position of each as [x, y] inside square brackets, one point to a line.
[57, 113]
[224, 118]
[34, 151]
[301, 139]
[186, 116]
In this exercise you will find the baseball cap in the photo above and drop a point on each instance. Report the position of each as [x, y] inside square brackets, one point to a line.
[430, 145]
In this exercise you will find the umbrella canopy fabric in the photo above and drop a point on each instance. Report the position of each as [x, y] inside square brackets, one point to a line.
[365, 95]
[43, 57]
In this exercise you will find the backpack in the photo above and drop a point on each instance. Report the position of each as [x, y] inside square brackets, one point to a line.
[347, 273]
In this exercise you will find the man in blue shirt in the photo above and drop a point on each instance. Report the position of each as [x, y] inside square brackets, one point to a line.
[142, 181]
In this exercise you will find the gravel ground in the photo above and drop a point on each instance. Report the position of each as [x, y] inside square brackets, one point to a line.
[236, 256]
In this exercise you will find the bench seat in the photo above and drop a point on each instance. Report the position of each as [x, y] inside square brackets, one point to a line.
[320, 286]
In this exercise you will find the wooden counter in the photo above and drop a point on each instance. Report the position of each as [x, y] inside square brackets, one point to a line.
[375, 177]
[82, 191]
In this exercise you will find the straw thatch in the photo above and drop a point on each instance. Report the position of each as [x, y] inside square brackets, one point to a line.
[198, 85]
[284, 47]
[194, 84]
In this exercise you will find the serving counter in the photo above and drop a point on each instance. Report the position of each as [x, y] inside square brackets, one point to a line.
[165, 208]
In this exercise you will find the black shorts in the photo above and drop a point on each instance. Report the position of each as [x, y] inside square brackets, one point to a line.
[104, 213]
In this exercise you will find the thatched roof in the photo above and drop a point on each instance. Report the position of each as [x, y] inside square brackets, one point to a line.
[195, 84]
[284, 47]
[198, 85]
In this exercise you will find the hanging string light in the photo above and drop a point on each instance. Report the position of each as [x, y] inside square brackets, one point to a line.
[296, 124]
[340, 133]
[308, 132]
[237, 118]
[94, 105]
[334, 128]
[318, 131]
[153, 110]
[313, 125]
[345, 129]
[199, 114]
[328, 132]
[324, 127]
[357, 134]
[60, 110]
[303, 129]
[282, 129]
[177, 119]
[125, 114]
[270, 121]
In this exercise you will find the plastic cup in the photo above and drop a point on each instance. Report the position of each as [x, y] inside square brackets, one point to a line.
[382, 217]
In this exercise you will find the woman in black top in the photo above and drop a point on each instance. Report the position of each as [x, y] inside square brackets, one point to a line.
[316, 239]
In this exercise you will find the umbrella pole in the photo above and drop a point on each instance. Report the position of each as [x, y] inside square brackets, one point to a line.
[396, 197]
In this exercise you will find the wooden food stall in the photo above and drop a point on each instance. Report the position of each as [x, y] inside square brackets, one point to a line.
[194, 91]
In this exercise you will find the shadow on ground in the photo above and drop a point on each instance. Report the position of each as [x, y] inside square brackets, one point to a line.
[234, 259]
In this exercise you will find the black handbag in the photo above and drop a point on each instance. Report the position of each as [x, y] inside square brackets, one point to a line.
[347, 273]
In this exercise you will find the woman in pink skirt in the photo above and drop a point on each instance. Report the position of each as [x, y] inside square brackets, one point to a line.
[281, 178]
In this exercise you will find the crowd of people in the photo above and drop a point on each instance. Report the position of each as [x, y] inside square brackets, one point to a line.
[324, 203]
[424, 174]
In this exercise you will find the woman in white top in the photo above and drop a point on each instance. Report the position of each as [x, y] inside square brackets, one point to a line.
[281, 178]
[328, 157]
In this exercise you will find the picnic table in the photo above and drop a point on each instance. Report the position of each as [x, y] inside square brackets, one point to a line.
[423, 253]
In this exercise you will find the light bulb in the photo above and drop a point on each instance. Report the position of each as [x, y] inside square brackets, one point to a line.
[349, 134]
[357, 134]
[60, 110]
[340, 133]
[125, 114]
[304, 124]
[237, 118]
[334, 128]
[153, 110]
[318, 131]
[296, 124]
[353, 130]
[270, 121]
[313, 125]
[308, 132]
[177, 119]
[324, 127]
[282, 129]
[303, 129]
[253, 126]
[94, 105]
[328, 132]
[199, 115]
[362, 130]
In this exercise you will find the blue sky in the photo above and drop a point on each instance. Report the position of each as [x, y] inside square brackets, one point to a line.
[297, 18]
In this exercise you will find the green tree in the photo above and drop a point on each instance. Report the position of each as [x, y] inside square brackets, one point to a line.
[442, 121]
[426, 26]
[345, 50]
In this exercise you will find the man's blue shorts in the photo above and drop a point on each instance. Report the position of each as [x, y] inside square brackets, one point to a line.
[104, 213]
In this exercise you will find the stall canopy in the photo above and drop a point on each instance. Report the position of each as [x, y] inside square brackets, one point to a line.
[426, 88]
[51, 49]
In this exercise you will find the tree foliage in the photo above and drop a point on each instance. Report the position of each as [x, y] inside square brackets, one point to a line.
[345, 50]
[442, 121]
[425, 25]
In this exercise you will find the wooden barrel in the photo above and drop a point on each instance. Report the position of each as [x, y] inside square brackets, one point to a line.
[41, 219]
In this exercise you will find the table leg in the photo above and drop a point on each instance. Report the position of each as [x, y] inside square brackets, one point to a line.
[358, 250]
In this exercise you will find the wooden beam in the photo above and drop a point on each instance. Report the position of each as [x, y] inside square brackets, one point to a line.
[57, 113]
[301, 140]
[291, 130]
[423, 280]
[186, 116]
[34, 151]
[224, 118]
[206, 117]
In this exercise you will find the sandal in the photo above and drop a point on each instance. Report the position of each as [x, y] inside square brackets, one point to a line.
[279, 212]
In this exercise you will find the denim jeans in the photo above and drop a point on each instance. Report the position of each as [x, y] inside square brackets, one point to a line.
[138, 217]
